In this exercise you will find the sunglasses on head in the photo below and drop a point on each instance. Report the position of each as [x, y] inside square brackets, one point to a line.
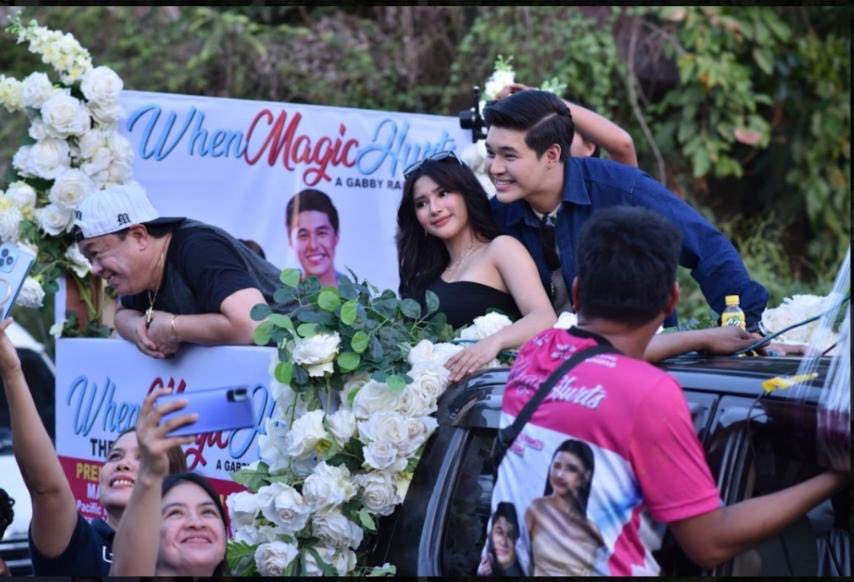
[437, 157]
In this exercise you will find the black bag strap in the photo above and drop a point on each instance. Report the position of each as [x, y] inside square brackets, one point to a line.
[508, 434]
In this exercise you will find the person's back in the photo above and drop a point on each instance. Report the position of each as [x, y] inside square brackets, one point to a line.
[612, 443]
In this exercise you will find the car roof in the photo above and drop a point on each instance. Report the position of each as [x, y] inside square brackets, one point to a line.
[742, 376]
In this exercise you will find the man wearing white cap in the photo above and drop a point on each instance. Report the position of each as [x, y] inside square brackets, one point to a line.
[179, 280]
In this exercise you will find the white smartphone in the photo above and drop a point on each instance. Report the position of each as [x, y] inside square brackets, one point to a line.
[219, 409]
[15, 265]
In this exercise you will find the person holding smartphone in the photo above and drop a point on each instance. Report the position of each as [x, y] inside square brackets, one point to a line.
[62, 542]
[174, 524]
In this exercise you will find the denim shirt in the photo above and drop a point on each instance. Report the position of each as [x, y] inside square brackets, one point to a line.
[592, 183]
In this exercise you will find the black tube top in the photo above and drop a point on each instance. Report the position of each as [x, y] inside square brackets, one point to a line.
[462, 301]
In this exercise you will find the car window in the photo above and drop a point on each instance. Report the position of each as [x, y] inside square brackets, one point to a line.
[469, 507]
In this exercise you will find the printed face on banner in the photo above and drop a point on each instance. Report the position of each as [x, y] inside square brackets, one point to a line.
[314, 239]
[236, 163]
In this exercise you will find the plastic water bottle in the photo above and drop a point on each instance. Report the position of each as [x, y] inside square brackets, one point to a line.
[733, 316]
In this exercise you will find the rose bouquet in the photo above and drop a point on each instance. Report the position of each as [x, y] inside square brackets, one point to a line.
[357, 376]
[73, 148]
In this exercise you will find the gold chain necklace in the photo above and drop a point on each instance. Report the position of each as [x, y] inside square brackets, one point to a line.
[152, 297]
[452, 268]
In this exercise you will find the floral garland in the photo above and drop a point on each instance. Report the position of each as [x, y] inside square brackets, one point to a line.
[75, 149]
[357, 376]
[474, 156]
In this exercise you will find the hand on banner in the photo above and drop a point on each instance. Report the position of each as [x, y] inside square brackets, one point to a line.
[153, 442]
[9, 361]
[162, 334]
[143, 340]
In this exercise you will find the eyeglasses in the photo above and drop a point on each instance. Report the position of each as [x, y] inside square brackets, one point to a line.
[547, 237]
[437, 157]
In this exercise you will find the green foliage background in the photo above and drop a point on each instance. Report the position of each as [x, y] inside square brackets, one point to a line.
[685, 81]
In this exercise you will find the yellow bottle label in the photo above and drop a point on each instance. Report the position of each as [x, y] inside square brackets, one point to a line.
[733, 320]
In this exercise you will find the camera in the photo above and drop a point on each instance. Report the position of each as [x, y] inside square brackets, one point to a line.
[472, 119]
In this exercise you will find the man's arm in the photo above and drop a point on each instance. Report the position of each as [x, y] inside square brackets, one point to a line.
[717, 536]
[713, 260]
[714, 340]
[130, 324]
[232, 325]
[54, 508]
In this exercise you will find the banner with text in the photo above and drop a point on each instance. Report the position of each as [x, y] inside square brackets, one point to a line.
[236, 164]
[100, 386]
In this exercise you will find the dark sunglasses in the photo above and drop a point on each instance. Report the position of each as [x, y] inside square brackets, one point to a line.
[437, 157]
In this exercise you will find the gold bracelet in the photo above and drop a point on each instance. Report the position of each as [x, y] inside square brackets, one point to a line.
[172, 325]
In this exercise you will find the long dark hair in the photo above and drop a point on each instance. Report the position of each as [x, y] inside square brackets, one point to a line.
[421, 258]
[176, 479]
[585, 455]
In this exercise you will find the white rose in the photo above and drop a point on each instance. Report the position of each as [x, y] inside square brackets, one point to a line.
[353, 384]
[328, 487]
[417, 401]
[79, 263]
[496, 83]
[71, 188]
[418, 430]
[344, 560]
[109, 115]
[317, 353]
[382, 455]
[56, 329]
[272, 558]
[21, 161]
[254, 535]
[271, 446]
[304, 435]
[53, 219]
[119, 173]
[120, 147]
[342, 425]
[10, 222]
[285, 507]
[426, 355]
[22, 195]
[566, 320]
[375, 397]
[65, 115]
[378, 492]
[31, 294]
[243, 508]
[485, 326]
[48, 158]
[384, 426]
[333, 528]
[430, 381]
[102, 86]
[11, 94]
[39, 131]
[37, 89]
[93, 141]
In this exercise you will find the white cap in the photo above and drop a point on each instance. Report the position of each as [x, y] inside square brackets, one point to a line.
[114, 208]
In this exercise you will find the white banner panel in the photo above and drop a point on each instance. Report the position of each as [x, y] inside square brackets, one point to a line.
[236, 164]
[100, 386]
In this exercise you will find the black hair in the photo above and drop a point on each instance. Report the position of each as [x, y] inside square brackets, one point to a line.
[311, 199]
[175, 479]
[177, 458]
[422, 257]
[585, 454]
[626, 264]
[7, 514]
[542, 115]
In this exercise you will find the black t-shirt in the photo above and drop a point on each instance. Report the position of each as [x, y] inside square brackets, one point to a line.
[203, 261]
[89, 552]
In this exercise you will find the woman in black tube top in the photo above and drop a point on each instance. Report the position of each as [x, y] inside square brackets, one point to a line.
[447, 242]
